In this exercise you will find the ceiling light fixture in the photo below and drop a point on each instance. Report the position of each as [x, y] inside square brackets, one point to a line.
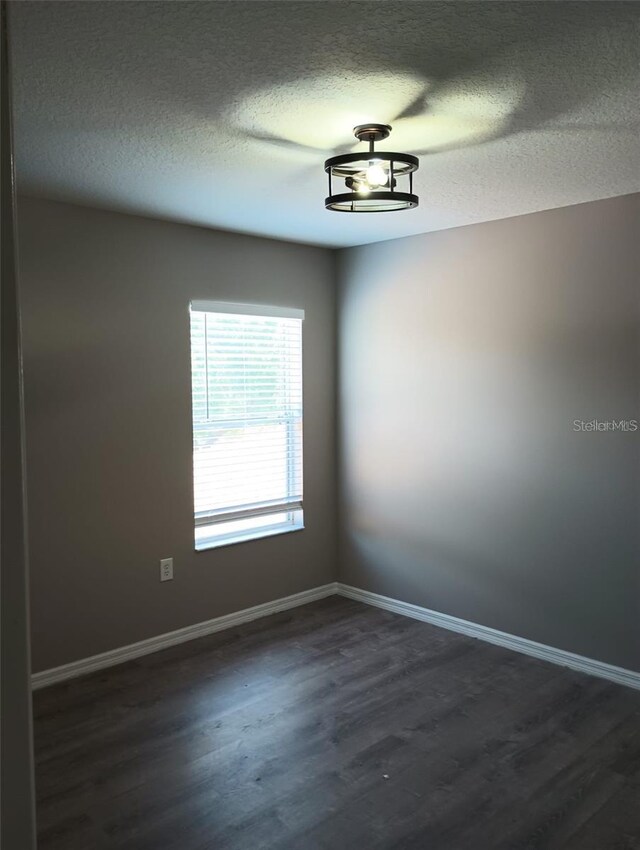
[372, 178]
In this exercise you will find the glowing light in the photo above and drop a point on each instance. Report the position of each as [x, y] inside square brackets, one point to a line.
[376, 175]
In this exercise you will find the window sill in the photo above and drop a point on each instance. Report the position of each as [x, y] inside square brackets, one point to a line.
[232, 539]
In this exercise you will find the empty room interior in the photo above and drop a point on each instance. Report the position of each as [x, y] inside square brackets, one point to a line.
[320, 528]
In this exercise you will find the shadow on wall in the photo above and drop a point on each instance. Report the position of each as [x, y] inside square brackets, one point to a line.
[466, 357]
[462, 573]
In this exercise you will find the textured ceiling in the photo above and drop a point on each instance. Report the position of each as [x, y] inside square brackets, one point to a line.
[221, 113]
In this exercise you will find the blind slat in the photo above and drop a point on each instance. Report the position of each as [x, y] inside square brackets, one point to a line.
[247, 412]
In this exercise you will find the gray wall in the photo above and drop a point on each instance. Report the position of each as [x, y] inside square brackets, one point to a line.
[466, 356]
[107, 377]
[17, 813]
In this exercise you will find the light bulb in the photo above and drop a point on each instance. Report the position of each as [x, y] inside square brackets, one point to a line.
[362, 189]
[376, 175]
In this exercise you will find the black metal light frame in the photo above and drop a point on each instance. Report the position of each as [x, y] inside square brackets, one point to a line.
[350, 166]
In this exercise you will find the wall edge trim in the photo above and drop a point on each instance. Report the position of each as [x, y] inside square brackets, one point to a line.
[561, 657]
[112, 657]
[564, 658]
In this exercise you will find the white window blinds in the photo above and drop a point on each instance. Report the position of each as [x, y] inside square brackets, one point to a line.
[247, 420]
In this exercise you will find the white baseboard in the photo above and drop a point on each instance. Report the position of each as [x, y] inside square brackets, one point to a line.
[146, 647]
[529, 647]
[518, 644]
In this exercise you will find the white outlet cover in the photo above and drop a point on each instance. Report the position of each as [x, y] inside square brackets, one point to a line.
[166, 569]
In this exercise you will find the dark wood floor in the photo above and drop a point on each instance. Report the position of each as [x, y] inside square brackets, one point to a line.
[341, 727]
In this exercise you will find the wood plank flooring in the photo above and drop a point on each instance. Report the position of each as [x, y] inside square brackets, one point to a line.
[337, 726]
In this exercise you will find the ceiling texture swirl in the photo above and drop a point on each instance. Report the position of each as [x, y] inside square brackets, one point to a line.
[221, 114]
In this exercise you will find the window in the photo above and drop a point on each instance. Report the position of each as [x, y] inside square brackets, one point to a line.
[246, 376]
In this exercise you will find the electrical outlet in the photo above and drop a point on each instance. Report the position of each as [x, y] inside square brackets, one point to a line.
[166, 569]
